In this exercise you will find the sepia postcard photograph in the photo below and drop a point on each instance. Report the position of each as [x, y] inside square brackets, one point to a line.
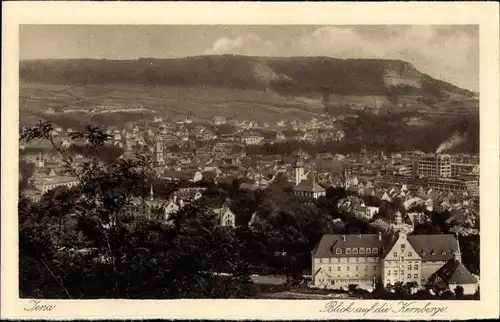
[328, 169]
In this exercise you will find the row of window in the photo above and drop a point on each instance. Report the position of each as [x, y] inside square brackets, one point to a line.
[352, 260]
[415, 267]
[396, 263]
[395, 272]
[415, 277]
[348, 268]
[355, 251]
[332, 282]
[410, 254]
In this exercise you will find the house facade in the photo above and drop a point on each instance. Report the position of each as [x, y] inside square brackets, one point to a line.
[365, 259]
[225, 217]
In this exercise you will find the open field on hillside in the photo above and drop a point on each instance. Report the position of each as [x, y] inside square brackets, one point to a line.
[200, 103]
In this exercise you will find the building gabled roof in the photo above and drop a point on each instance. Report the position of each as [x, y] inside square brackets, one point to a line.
[434, 247]
[182, 175]
[308, 185]
[328, 244]
[453, 272]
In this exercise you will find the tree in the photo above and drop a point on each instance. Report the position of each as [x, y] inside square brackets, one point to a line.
[352, 288]
[459, 291]
[110, 253]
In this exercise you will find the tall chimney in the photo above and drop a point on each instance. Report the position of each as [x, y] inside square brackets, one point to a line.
[343, 237]
[380, 236]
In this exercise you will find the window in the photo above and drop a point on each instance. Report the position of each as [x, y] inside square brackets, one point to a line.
[409, 254]
[422, 279]
[402, 273]
[355, 251]
[389, 272]
[368, 250]
[348, 251]
[409, 267]
[415, 276]
[338, 268]
[409, 275]
[403, 246]
[361, 250]
[348, 267]
[374, 268]
[395, 254]
[330, 269]
[357, 268]
[332, 282]
[338, 251]
[415, 267]
[375, 251]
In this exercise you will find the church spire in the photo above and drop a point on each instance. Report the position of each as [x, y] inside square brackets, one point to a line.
[151, 195]
[458, 253]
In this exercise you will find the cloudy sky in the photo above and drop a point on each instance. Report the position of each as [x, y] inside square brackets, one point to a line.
[450, 53]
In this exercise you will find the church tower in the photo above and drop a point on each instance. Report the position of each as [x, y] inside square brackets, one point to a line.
[159, 151]
[346, 176]
[399, 226]
[298, 168]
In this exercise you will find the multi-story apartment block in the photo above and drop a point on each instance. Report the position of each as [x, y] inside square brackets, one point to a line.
[434, 166]
[458, 169]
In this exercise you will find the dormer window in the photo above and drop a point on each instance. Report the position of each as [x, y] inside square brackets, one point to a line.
[374, 250]
[355, 251]
[348, 251]
[395, 254]
[338, 251]
[368, 251]
[361, 250]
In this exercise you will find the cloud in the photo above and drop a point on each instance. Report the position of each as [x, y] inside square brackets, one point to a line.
[445, 52]
[243, 45]
[225, 45]
[448, 54]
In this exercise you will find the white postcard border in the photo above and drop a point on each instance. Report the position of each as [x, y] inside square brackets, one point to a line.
[484, 14]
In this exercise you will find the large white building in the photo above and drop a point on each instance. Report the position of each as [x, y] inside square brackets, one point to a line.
[434, 166]
[365, 259]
